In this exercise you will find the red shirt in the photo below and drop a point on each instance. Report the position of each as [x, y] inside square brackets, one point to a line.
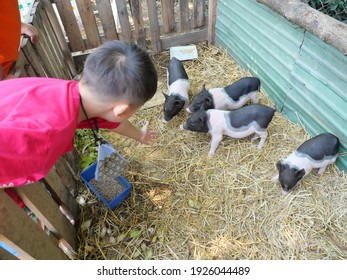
[10, 28]
[38, 119]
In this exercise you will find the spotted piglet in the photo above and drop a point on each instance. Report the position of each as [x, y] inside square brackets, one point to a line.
[317, 152]
[178, 85]
[231, 97]
[240, 123]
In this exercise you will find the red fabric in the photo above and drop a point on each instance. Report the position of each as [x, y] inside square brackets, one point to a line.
[38, 119]
[101, 124]
[10, 192]
[10, 29]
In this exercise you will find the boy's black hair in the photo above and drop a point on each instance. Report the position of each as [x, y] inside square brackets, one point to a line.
[121, 71]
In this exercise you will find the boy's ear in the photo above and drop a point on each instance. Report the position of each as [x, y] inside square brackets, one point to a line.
[120, 108]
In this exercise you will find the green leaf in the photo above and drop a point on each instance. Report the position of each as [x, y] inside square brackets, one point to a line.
[193, 204]
[135, 233]
[137, 253]
[149, 254]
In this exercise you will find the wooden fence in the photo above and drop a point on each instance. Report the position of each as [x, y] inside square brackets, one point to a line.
[50, 56]
[164, 23]
[51, 200]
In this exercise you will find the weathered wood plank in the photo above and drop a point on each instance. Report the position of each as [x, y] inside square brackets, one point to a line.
[22, 235]
[184, 39]
[70, 25]
[168, 15]
[4, 255]
[56, 57]
[67, 173]
[43, 49]
[46, 210]
[199, 13]
[86, 11]
[136, 10]
[47, 5]
[154, 26]
[107, 19]
[124, 20]
[29, 70]
[61, 194]
[33, 59]
[184, 16]
[18, 68]
[212, 16]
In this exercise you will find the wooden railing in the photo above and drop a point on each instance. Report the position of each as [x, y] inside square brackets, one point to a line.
[161, 22]
[51, 200]
[50, 56]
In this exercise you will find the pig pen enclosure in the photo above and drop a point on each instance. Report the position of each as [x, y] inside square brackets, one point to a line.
[184, 204]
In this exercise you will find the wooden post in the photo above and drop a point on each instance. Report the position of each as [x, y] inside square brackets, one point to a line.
[199, 13]
[70, 25]
[47, 5]
[124, 20]
[86, 11]
[184, 16]
[46, 210]
[212, 16]
[154, 26]
[23, 236]
[168, 15]
[136, 11]
[107, 19]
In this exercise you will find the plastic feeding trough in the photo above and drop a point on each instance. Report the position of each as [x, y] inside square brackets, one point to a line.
[104, 177]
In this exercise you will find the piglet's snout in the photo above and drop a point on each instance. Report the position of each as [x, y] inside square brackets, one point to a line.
[284, 192]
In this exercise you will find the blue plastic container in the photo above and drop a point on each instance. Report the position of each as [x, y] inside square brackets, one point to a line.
[89, 174]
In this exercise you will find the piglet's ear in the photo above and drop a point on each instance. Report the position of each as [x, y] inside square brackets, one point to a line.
[279, 166]
[165, 95]
[203, 87]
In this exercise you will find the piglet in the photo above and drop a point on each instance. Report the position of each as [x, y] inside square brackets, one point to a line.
[240, 123]
[317, 152]
[178, 85]
[231, 97]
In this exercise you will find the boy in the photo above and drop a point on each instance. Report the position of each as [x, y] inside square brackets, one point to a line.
[39, 116]
[11, 28]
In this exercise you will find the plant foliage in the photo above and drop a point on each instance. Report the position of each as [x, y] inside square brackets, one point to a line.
[334, 8]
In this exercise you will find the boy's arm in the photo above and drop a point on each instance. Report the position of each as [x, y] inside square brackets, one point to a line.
[143, 135]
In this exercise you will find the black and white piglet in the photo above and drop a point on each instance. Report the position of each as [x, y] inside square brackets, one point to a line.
[230, 97]
[178, 85]
[317, 152]
[240, 123]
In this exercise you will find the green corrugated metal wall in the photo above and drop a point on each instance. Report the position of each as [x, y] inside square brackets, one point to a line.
[304, 77]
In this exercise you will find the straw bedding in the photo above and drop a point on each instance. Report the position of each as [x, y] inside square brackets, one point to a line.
[186, 205]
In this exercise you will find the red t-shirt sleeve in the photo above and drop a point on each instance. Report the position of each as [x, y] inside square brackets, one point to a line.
[102, 123]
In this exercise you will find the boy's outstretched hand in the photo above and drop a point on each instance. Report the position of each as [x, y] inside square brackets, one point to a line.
[148, 136]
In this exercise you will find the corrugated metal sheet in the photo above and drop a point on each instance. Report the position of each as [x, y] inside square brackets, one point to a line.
[304, 77]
